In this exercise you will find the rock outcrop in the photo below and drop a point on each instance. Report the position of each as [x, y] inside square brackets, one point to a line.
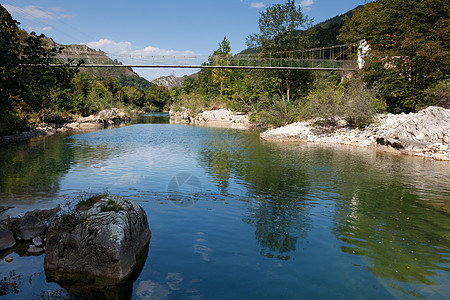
[169, 82]
[102, 241]
[426, 133]
[216, 118]
[428, 127]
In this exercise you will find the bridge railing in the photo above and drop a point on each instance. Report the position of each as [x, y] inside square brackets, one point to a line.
[341, 57]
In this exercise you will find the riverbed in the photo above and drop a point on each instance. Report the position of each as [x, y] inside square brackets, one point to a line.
[236, 217]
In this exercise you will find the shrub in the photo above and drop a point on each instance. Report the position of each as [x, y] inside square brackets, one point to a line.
[350, 100]
[439, 95]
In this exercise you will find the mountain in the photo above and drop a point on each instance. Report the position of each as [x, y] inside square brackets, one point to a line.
[90, 56]
[327, 31]
[169, 82]
[172, 82]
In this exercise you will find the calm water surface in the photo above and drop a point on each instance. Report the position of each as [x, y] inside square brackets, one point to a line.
[234, 217]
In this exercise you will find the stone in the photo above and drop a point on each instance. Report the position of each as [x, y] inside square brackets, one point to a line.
[9, 259]
[35, 250]
[37, 241]
[5, 208]
[97, 243]
[6, 239]
[428, 126]
[44, 214]
[28, 227]
[441, 156]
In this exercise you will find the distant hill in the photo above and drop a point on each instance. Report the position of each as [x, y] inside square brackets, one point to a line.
[327, 31]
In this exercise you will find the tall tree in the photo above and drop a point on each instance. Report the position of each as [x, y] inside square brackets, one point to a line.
[222, 58]
[410, 46]
[279, 25]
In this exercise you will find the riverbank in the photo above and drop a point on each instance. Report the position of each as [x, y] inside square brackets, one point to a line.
[424, 134]
[220, 117]
[104, 118]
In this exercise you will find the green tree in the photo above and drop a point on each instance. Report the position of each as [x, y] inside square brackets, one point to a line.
[222, 58]
[278, 26]
[23, 89]
[410, 47]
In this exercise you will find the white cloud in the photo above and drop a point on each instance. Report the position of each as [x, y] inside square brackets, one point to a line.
[40, 29]
[110, 46]
[35, 12]
[126, 48]
[128, 54]
[306, 3]
[257, 5]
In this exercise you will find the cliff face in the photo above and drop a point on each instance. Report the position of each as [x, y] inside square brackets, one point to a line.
[90, 56]
[169, 81]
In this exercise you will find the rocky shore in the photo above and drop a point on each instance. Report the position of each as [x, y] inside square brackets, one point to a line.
[424, 134]
[102, 119]
[220, 117]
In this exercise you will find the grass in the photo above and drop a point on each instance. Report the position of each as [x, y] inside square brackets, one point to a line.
[89, 202]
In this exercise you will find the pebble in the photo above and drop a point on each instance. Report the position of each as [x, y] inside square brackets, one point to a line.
[37, 241]
[34, 249]
[9, 259]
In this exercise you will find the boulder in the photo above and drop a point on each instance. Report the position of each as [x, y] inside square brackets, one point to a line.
[28, 227]
[101, 241]
[6, 239]
[44, 214]
[429, 126]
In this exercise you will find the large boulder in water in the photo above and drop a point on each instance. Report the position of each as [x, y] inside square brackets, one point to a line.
[100, 240]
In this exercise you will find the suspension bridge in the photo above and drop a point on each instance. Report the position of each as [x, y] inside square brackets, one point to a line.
[334, 58]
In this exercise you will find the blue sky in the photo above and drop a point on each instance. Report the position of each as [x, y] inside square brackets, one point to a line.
[177, 27]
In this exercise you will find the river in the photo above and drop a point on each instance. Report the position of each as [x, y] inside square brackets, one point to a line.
[235, 217]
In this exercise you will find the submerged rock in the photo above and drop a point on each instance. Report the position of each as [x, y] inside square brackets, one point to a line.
[6, 239]
[100, 242]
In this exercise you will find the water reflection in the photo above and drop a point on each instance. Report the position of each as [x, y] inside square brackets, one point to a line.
[391, 226]
[33, 167]
[83, 287]
[277, 191]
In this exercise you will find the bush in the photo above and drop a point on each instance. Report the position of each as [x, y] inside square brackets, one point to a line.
[350, 100]
[439, 95]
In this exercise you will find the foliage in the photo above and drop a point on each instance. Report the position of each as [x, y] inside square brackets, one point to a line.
[351, 101]
[221, 58]
[439, 95]
[277, 25]
[26, 89]
[111, 205]
[410, 49]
